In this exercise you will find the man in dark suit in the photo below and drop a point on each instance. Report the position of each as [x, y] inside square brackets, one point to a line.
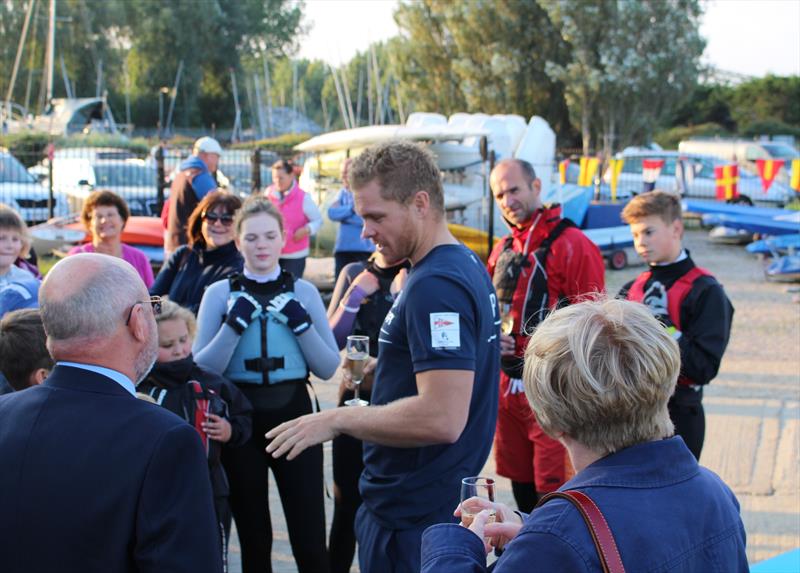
[92, 479]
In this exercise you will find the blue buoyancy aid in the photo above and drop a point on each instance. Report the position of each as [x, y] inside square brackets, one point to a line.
[268, 351]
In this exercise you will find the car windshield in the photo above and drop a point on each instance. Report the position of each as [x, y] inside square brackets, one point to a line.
[781, 151]
[124, 175]
[12, 171]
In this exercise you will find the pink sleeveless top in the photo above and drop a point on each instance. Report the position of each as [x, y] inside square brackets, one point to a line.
[291, 207]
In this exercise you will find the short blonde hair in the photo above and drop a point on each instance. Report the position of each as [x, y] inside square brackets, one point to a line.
[10, 219]
[173, 311]
[662, 204]
[602, 372]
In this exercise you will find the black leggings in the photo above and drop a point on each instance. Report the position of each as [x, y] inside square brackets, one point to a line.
[525, 495]
[300, 485]
[687, 413]
[223, 510]
[347, 467]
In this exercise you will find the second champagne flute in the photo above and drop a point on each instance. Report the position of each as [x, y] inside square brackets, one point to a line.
[357, 353]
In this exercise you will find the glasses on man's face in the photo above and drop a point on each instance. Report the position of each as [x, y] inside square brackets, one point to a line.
[153, 301]
[212, 218]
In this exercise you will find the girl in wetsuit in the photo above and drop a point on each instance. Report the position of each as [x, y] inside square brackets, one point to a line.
[266, 332]
[364, 293]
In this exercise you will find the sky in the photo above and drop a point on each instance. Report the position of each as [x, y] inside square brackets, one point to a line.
[750, 37]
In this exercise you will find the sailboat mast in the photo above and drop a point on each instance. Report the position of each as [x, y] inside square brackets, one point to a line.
[18, 57]
[51, 49]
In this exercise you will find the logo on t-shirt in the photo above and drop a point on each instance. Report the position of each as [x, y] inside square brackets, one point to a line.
[445, 330]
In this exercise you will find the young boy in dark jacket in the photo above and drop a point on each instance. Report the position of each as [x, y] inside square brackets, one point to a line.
[221, 414]
[686, 298]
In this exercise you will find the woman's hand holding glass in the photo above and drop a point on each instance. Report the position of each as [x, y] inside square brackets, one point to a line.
[494, 530]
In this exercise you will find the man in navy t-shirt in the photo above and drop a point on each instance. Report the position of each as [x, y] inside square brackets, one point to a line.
[434, 399]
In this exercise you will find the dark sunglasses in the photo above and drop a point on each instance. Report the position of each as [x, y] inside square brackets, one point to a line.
[154, 301]
[214, 218]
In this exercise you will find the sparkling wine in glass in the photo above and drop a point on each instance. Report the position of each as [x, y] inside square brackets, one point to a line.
[476, 487]
[357, 353]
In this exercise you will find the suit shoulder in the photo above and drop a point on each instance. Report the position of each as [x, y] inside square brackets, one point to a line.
[154, 418]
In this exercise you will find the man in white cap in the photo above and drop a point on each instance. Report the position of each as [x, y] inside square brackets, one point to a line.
[196, 178]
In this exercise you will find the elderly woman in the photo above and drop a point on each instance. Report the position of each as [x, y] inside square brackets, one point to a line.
[598, 376]
[104, 215]
[210, 256]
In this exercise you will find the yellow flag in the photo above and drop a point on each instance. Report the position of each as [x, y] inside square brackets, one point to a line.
[588, 170]
[615, 168]
[562, 171]
[796, 175]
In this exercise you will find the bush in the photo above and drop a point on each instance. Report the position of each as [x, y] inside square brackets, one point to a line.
[770, 127]
[669, 139]
[30, 146]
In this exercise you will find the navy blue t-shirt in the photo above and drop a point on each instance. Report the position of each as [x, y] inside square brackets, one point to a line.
[445, 318]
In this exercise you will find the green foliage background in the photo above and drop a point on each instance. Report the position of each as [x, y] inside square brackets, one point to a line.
[604, 73]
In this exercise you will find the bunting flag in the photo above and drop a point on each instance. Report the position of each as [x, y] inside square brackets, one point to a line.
[588, 169]
[795, 183]
[727, 177]
[562, 171]
[615, 168]
[651, 169]
[768, 169]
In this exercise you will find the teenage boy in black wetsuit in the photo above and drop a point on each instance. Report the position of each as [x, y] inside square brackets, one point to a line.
[687, 299]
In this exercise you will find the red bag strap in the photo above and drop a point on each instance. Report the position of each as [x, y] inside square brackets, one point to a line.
[200, 411]
[598, 527]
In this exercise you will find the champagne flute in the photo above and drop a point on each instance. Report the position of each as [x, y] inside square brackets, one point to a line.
[471, 487]
[357, 353]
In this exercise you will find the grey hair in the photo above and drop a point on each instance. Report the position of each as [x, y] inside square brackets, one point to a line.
[96, 310]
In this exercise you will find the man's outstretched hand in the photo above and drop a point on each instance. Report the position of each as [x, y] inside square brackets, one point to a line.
[294, 436]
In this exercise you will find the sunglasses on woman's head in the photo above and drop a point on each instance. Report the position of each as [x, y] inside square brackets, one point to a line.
[214, 218]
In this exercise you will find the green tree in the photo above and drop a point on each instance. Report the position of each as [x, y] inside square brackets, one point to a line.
[147, 39]
[581, 28]
[772, 98]
[481, 56]
[651, 61]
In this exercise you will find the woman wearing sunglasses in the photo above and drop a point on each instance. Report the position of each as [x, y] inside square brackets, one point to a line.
[211, 254]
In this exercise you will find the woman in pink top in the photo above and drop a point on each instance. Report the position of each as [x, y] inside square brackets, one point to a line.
[104, 214]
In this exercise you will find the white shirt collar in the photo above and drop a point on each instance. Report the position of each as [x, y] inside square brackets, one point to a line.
[116, 376]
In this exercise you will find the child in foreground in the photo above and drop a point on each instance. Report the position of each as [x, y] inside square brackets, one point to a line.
[215, 407]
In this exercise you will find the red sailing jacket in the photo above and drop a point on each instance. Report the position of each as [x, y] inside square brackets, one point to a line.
[676, 294]
[573, 268]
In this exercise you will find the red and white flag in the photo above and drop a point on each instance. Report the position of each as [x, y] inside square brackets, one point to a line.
[651, 169]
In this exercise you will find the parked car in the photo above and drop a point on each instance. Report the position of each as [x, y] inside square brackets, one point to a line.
[744, 152]
[692, 175]
[21, 191]
[76, 176]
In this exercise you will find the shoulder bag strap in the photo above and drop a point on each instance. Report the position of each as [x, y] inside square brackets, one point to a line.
[598, 527]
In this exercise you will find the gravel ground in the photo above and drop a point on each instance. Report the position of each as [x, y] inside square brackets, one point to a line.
[753, 407]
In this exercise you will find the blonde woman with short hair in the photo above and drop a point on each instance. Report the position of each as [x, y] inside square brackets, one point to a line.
[598, 376]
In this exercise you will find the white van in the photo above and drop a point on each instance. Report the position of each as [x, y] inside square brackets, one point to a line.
[744, 152]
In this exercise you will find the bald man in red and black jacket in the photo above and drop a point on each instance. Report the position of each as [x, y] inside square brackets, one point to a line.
[546, 262]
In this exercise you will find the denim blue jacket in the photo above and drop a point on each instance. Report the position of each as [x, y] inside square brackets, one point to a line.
[349, 236]
[666, 513]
